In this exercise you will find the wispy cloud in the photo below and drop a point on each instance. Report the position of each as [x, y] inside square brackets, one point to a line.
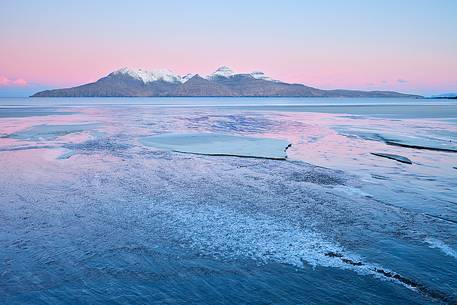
[402, 81]
[7, 82]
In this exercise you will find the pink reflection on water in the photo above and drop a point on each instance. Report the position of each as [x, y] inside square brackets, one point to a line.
[315, 139]
[14, 125]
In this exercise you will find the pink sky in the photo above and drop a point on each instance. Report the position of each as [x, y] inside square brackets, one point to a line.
[354, 46]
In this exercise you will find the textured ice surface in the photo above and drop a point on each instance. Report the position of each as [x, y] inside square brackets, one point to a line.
[220, 145]
[436, 243]
[227, 209]
[121, 222]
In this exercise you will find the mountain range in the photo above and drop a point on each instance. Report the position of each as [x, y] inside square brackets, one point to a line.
[223, 82]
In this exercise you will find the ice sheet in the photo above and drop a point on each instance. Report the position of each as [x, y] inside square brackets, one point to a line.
[220, 145]
[119, 214]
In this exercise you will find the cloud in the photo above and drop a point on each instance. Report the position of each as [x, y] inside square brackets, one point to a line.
[402, 81]
[6, 82]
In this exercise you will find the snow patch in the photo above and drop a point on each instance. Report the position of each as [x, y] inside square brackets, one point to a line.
[261, 75]
[150, 76]
[223, 71]
[186, 77]
[168, 76]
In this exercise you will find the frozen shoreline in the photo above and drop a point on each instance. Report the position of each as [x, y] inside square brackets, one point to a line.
[137, 216]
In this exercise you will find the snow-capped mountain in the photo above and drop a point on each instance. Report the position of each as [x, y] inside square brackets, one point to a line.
[150, 76]
[186, 77]
[221, 72]
[222, 82]
[226, 72]
[168, 76]
[261, 75]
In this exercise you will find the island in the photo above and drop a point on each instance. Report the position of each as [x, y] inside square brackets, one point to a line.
[224, 82]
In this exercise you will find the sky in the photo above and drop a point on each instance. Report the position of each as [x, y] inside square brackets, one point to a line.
[408, 46]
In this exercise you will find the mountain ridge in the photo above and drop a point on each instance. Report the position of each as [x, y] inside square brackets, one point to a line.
[224, 82]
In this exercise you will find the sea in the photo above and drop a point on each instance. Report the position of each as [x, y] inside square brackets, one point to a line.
[89, 214]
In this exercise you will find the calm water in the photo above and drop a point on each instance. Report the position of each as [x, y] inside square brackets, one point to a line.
[89, 215]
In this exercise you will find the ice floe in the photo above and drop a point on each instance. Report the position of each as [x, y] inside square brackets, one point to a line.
[429, 142]
[393, 157]
[220, 145]
[420, 143]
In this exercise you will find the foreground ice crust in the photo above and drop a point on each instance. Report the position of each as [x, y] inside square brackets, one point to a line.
[230, 208]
